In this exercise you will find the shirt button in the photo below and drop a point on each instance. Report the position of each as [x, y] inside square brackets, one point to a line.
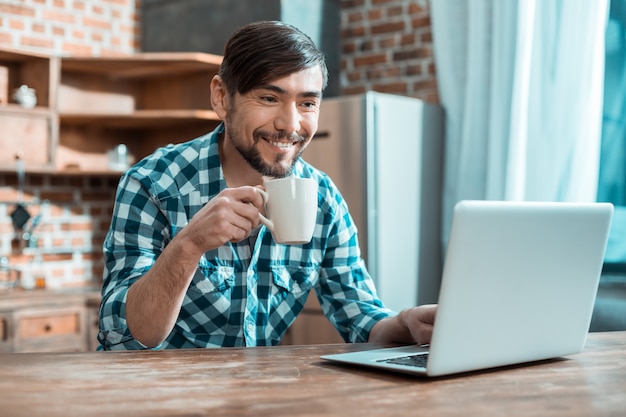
[250, 328]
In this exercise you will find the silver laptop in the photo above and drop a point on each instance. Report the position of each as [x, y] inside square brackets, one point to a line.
[519, 285]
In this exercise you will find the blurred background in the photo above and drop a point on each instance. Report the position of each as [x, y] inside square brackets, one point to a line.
[531, 94]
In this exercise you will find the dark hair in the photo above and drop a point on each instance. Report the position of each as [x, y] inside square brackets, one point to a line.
[261, 52]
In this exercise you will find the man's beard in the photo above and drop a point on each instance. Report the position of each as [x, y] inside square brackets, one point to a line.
[255, 160]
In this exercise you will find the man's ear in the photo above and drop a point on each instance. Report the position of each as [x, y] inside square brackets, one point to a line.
[219, 97]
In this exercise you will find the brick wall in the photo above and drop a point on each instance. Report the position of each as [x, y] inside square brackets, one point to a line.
[89, 27]
[75, 210]
[73, 215]
[386, 47]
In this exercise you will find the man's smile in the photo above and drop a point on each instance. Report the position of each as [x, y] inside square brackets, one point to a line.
[282, 145]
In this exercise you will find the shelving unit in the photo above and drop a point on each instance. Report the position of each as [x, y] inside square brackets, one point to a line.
[29, 132]
[89, 105]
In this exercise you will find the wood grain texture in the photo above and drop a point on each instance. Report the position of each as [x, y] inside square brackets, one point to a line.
[292, 380]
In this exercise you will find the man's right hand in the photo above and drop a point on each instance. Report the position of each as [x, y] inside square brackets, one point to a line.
[228, 217]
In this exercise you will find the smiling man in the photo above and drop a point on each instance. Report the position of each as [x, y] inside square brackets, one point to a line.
[188, 263]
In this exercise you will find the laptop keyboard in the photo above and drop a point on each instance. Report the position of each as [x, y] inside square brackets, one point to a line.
[419, 360]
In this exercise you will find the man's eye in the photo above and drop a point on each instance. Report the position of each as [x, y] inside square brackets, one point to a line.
[269, 99]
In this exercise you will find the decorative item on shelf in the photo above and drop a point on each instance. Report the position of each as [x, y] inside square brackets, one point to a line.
[38, 271]
[119, 158]
[25, 96]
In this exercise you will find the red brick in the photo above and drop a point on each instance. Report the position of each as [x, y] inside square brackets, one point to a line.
[407, 39]
[74, 226]
[61, 17]
[96, 23]
[6, 38]
[366, 46]
[415, 8]
[432, 68]
[57, 196]
[394, 11]
[394, 87]
[15, 24]
[17, 10]
[384, 73]
[354, 90]
[353, 76]
[78, 34]
[430, 84]
[415, 53]
[353, 32]
[348, 4]
[388, 27]
[421, 22]
[348, 47]
[414, 70]
[77, 49]
[355, 17]
[376, 14]
[37, 42]
[388, 42]
[369, 60]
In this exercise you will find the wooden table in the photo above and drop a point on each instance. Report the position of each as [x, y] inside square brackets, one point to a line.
[293, 381]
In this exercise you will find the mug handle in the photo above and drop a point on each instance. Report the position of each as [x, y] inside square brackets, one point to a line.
[267, 222]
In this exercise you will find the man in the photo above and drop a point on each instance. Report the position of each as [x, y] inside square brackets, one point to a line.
[187, 262]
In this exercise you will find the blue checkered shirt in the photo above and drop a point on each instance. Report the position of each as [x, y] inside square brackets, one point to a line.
[242, 294]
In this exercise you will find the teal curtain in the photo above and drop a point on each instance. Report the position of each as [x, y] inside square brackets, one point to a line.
[612, 177]
[521, 82]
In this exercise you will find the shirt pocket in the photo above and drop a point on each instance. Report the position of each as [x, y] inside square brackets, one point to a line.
[294, 279]
[212, 278]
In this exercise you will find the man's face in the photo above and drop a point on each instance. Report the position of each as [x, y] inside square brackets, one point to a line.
[271, 125]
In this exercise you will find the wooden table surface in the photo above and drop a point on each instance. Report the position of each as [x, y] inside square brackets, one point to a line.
[293, 381]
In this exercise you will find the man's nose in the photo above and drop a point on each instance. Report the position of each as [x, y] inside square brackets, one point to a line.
[288, 119]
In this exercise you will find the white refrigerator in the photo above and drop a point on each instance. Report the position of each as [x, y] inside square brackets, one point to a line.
[384, 152]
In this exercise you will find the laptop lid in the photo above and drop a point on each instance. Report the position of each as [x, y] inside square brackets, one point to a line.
[519, 284]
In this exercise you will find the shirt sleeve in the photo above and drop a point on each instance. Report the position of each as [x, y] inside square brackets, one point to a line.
[137, 235]
[347, 293]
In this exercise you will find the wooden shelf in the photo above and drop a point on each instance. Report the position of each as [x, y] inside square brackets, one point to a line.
[89, 105]
[145, 65]
[140, 119]
[29, 132]
[16, 109]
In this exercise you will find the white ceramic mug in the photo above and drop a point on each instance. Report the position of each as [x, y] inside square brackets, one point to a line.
[291, 208]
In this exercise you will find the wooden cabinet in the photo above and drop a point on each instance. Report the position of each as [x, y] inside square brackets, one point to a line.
[29, 132]
[89, 105]
[44, 321]
[50, 329]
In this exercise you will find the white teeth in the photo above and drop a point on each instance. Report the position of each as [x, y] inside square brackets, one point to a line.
[282, 145]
